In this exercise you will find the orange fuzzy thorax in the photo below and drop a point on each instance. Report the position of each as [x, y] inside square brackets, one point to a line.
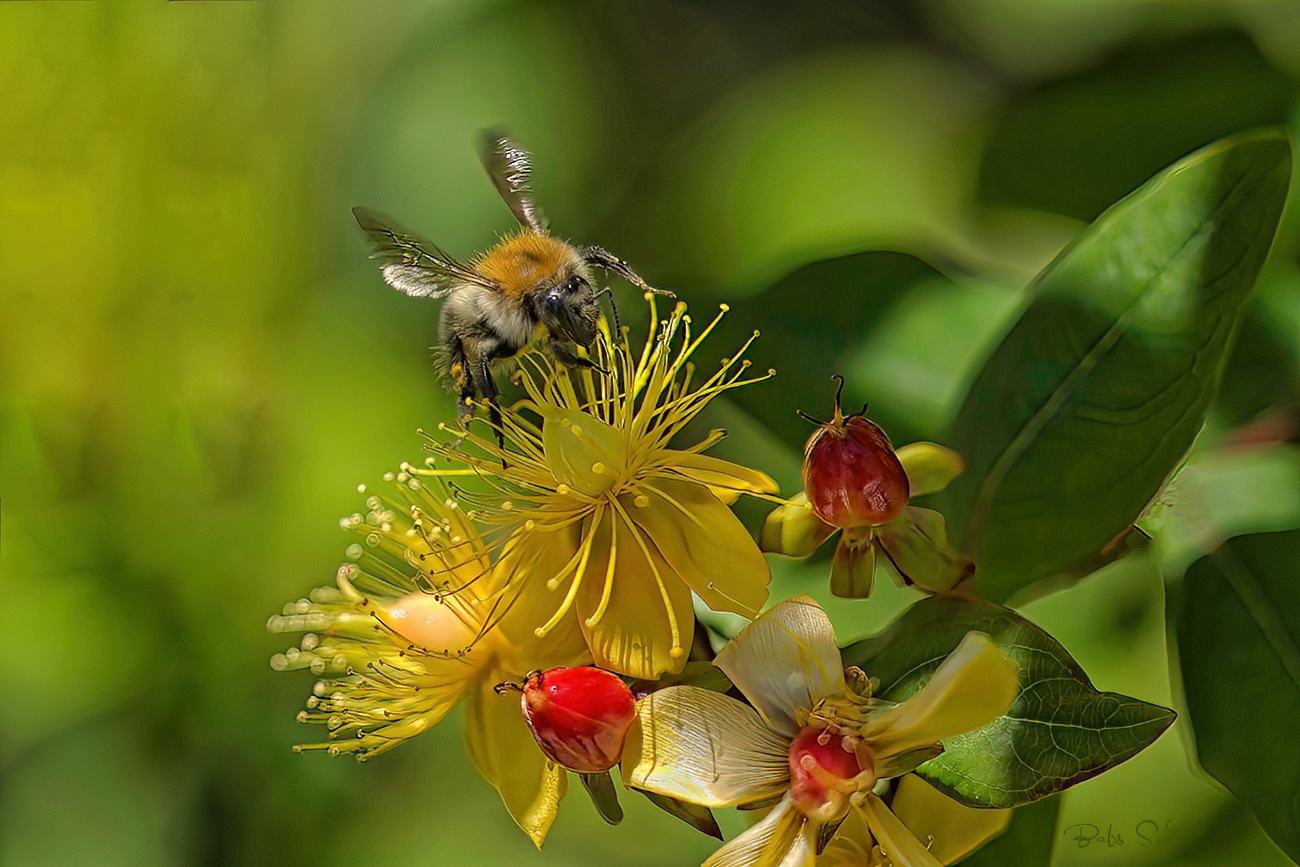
[520, 262]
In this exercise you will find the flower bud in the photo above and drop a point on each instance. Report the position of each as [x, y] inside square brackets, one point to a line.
[579, 716]
[850, 473]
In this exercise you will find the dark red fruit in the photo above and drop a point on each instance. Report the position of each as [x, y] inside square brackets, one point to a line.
[851, 474]
[579, 716]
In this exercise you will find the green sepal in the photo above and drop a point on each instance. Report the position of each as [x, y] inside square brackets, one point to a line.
[699, 818]
[929, 466]
[853, 568]
[793, 529]
[917, 551]
[604, 796]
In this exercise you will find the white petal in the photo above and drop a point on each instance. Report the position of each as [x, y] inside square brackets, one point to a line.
[767, 844]
[972, 687]
[785, 662]
[706, 748]
[801, 853]
[899, 845]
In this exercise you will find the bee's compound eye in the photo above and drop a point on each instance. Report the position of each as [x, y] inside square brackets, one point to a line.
[574, 285]
[570, 315]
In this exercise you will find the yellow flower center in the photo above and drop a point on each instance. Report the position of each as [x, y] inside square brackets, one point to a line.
[423, 620]
[582, 451]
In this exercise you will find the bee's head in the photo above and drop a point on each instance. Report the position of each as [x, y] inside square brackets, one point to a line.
[569, 310]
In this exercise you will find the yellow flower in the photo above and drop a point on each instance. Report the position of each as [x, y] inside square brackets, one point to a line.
[418, 621]
[950, 830]
[814, 739]
[588, 468]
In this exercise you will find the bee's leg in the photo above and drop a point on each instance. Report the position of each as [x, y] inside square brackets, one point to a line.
[602, 258]
[459, 368]
[486, 385]
[613, 308]
[568, 357]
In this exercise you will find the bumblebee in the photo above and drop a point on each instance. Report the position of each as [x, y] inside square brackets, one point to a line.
[528, 286]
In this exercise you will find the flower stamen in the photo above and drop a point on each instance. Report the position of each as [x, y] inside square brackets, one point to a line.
[607, 588]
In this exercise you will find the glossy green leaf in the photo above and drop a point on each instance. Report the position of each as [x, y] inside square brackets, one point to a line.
[1059, 731]
[1237, 617]
[1027, 841]
[1098, 390]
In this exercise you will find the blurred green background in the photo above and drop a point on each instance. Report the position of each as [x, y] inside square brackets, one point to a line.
[198, 363]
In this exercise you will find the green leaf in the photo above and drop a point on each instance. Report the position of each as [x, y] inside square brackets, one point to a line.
[1262, 372]
[1059, 731]
[1237, 618]
[1077, 144]
[699, 673]
[1027, 841]
[1223, 493]
[811, 322]
[1099, 389]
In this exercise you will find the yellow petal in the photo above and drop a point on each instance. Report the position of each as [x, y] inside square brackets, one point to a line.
[506, 755]
[582, 451]
[727, 480]
[707, 748]
[898, 843]
[785, 662]
[705, 544]
[972, 687]
[793, 529]
[957, 830]
[852, 844]
[778, 840]
[929, 467]
[525, 603]
[648, 612]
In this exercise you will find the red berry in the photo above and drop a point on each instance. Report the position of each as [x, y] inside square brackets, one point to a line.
[579, 716]
[819, 762]
[850, 473]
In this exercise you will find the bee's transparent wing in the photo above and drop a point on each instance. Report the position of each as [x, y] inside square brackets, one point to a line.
[412, 264]
[511, 169]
